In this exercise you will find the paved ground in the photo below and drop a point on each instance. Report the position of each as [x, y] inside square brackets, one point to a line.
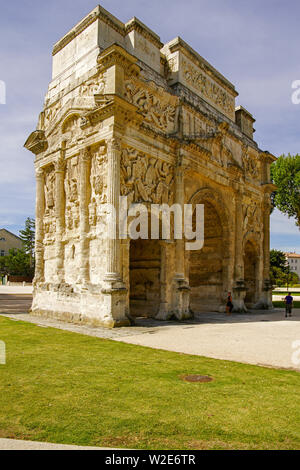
[15, 289]
[15, 303]
[13, 444]
[258, 337]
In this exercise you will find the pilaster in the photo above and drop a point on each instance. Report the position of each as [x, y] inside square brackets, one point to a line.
[39, 226]
[114, 289]
[239, 289]
[60, 214]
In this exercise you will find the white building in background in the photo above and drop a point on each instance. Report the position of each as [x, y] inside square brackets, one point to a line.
[294, 262]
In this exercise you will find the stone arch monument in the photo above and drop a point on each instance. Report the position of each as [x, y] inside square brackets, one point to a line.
[126, 115]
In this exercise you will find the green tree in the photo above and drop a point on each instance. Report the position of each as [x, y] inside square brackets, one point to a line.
[285, 174]
[278, 260]
[28, 238]
[16, 263]
[280, 272]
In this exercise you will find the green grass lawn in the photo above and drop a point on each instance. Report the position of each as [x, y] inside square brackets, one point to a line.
[285, 293]
[69, 388]
[281, 303]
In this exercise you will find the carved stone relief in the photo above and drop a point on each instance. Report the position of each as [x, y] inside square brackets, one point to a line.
[208, 88]
[98, 184]
[94, 86]
[158, 109]
[251, 164]
[252, 218]
[49, 217]
[51, 113]
[146, 179]
[71, 190]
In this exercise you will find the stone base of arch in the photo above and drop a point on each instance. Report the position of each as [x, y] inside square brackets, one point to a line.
[239, 294]
[265, 301]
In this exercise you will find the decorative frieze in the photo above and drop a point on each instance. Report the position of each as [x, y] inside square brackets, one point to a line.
[157, 108]
[145, 178]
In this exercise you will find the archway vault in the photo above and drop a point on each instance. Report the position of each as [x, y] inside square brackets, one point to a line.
[208, 268]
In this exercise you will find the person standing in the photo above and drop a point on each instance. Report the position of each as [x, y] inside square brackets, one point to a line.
[229, 305]
[288, 305]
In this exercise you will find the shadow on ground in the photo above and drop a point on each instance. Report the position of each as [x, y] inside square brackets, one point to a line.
[21, 303]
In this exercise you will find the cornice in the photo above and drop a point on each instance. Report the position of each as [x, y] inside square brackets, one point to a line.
[116, 54]
[36, 142]
[179, 44]
[136, 25]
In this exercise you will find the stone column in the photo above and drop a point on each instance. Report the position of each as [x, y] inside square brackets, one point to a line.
[181, 292]
[266, 298]
[239, 290]
[84, 191]
[114, 289]
[60, 215]
[166, 269]
[113, 270]
[39, 226]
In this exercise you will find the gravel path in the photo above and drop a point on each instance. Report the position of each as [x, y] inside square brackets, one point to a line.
[13, 444]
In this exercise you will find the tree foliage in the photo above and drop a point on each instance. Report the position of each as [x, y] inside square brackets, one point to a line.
[285, 174]
[21, 262]
[280, 272]
[16, 263]
[28, 238]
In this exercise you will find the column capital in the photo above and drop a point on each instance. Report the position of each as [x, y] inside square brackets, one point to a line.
[85, 154]
[60, 165]
[114, 144]
[39, 173]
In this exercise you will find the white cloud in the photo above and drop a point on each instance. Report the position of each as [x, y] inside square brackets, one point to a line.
[281, 224]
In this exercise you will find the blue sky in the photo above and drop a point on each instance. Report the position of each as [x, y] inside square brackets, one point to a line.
[254, 44]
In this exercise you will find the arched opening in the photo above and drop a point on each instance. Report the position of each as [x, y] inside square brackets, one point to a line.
[144, 277]
[206, 265]
[250, 272]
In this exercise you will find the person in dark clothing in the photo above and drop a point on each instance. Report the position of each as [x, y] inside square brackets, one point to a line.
[288, 305]
[229, 305]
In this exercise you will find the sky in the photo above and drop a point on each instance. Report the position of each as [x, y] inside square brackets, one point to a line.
[254, 44]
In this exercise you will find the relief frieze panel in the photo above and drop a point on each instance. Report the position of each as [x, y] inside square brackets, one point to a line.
[251, 164]
[49, 217]
[72, 194]
[157, 107]
[207, 88]
[252, 217]
[98, 182]
[145, 178]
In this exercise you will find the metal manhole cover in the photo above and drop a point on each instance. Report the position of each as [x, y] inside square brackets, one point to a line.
[197, 378]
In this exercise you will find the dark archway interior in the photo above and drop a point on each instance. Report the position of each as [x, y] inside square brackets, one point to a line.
[206, 267]
[144, 266]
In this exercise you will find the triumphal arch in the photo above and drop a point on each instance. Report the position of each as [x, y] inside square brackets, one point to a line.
[126, 115]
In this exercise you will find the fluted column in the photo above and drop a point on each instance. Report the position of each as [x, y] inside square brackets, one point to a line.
[266, 216]
[60, 215]
[179, 199]
[39, 225]
[181, 293]
[239, 290]
[85, 159]
[267, 286]
[114, 290]
[239, 261]
[113, 269]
